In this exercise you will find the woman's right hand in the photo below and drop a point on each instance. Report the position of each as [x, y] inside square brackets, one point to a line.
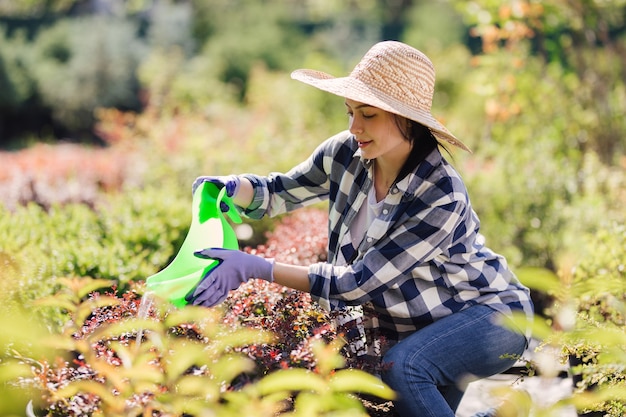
[230, 182]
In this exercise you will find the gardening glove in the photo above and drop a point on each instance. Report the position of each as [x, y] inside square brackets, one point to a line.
[234, 268]
[230, 182]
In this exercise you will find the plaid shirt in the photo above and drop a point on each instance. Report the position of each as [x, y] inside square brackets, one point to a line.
[422, 259]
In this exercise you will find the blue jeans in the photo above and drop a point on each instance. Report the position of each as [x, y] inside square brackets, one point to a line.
[430, 369]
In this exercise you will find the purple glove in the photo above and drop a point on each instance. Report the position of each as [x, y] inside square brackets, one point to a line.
[234, 268]
[230, 182]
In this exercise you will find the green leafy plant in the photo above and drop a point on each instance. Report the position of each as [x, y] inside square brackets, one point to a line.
[597, 344]
[585, 330]
[126, 238]
[121, 357]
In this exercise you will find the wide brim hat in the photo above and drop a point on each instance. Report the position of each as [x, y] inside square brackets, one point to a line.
[392, 76]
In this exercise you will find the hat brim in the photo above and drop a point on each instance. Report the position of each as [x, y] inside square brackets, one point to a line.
[356, 90]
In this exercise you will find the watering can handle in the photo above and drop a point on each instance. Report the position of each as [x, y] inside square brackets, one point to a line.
[232, 212]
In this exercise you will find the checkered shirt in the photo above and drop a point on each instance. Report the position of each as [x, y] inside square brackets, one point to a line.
[421, 259]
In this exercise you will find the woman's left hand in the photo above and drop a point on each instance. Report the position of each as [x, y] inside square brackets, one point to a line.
[234, 268]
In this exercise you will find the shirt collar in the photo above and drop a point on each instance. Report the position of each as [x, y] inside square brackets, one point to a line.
[410, 183]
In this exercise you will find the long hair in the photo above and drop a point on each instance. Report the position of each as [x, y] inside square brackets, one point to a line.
[422, 141]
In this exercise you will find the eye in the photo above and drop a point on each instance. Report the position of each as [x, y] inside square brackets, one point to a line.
[368, 116]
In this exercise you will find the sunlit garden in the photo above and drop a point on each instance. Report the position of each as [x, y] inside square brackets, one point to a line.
[110, 110]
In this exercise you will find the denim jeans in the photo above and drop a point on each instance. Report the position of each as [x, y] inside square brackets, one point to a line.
[430, 369]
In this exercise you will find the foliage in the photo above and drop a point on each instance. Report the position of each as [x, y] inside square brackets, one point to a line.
[108, 242]
[82, 64]
[598, 342]
[131, 354]
[544, 162]
[586, 330]
[101, 356]
[35, 7]
[583, 40]
[213, 47]
[537, 90]
[195, 135]
[14, 343]
[66, 173]
[15, 84]
[270, 40]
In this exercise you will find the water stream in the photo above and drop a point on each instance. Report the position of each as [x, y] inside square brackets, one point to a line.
[143, 312]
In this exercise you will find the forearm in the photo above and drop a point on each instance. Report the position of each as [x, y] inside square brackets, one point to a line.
[292, 276]
[245, 193]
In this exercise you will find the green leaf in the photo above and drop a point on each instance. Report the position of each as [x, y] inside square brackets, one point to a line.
[591, 399]
[240, 337]
[541, 279]
[518, 322]
[314, 404]
[91, 285]
[182, 355]
[198, 386]
[352, 380]
[12, 370]
[57, 301]
[291, 380]
[91, 387]
[115, 330]
[328, 356]
[61, 342]
[230, 366]
[193, 314]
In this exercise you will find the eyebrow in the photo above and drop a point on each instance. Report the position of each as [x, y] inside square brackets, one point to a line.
[360, 106]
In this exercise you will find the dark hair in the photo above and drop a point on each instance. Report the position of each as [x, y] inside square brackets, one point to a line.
[422, 141]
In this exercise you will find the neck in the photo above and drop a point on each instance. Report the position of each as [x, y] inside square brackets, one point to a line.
[386, 173]
[383, 179]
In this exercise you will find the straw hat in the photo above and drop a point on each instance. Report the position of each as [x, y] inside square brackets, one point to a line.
[392, 76]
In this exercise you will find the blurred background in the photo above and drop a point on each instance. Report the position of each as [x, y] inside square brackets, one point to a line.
[109, 109]
[102, 98]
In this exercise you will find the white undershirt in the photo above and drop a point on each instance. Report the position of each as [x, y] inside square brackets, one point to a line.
[364, 218]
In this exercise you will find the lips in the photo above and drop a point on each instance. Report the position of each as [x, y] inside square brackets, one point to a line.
[363, 144]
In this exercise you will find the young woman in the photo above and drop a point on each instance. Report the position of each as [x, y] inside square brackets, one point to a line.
[404, 242]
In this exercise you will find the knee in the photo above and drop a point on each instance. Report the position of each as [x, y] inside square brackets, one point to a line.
[399, 364]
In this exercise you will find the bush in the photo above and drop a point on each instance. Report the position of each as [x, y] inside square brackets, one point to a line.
[82, 64]
[182, 361]
[596, 345]
[532, 185]
[127, 238]
[16, 84]
[50, 175]
[586, 329]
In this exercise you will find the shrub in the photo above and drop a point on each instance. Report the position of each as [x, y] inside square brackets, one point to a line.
[300, 239]
[596, 345]
[125, 238]
[537, 134]
[50, 175]
[586, 330]
[82, 64]
[100, 366]
[124, 356]
[16, 84]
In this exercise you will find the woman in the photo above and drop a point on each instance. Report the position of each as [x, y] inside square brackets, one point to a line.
[403, 238]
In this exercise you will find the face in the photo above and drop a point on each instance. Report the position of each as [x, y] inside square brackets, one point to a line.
[377, 133]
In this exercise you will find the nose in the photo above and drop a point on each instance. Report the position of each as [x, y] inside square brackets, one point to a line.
[355, 127]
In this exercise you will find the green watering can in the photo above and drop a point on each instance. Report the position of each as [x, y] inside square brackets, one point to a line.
[209, 229]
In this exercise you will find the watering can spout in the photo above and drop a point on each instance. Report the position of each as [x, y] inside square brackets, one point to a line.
[209, 228]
